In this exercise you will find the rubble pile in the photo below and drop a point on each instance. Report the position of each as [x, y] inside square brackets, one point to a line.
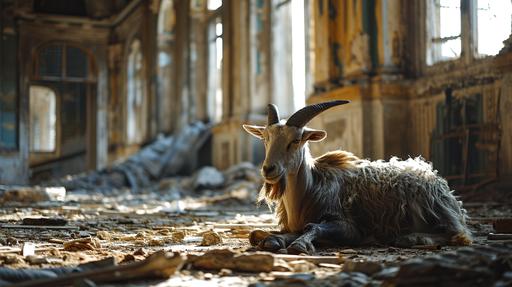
[165, 157]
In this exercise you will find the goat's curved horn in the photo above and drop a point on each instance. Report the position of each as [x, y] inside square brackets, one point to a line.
[273, 115]
[301, 117]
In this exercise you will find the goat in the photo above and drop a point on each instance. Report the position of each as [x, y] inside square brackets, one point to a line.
[340, 199]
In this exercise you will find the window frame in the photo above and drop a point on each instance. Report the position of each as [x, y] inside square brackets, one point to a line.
[91, 68]
[431, 47]
[39, 158]
[426, 36]
[473, 16]
[211, 18]
[469, 37]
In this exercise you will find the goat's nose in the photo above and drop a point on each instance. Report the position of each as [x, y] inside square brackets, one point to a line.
[268, 169]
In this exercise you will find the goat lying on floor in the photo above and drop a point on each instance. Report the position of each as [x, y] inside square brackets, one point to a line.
[340, 199]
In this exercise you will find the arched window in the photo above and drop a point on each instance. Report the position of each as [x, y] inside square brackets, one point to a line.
[61, 62]
[166, 34]
[136, 101]
[288, 55]
[166, 18]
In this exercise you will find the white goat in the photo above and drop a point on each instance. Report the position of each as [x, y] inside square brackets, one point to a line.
[340, 199]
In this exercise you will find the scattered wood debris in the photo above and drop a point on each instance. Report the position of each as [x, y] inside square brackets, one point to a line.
[211, 238]
[44, 221]
[313, 259]
[227, 259]
[81, 244]
[177, 216]
[159, 265]
[177, 236]
[22, 226]
[103, 235]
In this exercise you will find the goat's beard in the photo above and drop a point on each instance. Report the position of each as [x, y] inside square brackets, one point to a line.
[271, 192]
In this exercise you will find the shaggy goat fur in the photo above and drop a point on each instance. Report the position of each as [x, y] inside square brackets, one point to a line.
[382, 200]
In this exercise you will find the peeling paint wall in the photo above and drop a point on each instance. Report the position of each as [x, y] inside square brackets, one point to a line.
[505, 116]
[13, 154]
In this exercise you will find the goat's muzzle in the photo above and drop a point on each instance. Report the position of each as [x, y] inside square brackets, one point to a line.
[272, 173]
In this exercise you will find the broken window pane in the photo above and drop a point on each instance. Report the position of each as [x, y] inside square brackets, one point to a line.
[494, 25]
[42, 119]
[136, 106]
[214, 4]
[76, 63]
[50, 61]
[288, 48]
[444, 24]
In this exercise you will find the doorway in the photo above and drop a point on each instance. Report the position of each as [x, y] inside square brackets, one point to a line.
[62, 112]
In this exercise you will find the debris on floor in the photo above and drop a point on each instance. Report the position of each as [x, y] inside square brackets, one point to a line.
[27, 194]
[188, 230]
[165, 157]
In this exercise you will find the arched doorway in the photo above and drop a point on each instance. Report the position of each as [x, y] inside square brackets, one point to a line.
[62, 113]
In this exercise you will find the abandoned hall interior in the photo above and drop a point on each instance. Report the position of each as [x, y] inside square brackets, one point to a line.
[124, 120]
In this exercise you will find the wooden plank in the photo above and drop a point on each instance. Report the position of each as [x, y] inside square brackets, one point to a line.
[245, 225]
[69, 227]
[312, 259]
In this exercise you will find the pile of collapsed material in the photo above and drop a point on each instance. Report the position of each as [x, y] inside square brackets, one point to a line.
[165, 157]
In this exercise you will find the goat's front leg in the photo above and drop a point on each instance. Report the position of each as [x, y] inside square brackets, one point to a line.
[333, 232]
[271, 241]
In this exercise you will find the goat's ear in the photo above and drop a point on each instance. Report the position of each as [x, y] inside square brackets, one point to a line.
[313, 135]
[256, 131]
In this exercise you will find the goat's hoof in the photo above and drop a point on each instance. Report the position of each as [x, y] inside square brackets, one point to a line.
[257, 236]
[272, 243]
[299, 247]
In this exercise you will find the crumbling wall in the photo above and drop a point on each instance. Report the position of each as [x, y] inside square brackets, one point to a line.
[13, 136]
[505, 115]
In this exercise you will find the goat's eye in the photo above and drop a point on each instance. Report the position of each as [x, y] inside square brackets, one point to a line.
[294, 142]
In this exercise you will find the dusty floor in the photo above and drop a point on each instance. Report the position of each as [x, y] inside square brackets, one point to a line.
[130, 227]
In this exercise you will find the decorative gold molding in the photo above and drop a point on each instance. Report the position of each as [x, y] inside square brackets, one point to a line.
[352, 93]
